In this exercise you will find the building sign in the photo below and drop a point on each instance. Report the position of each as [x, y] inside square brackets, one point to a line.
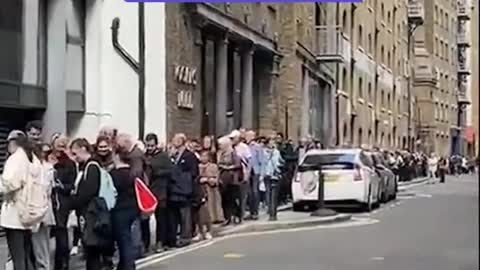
[186, 76]
[185, 99]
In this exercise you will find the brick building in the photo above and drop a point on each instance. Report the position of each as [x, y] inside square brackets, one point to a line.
[246, 65]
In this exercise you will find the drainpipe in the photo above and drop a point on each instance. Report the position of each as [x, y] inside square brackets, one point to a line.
[337, 79]
[137, 66]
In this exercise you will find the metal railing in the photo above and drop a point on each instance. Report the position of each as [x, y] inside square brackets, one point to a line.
[329, 45]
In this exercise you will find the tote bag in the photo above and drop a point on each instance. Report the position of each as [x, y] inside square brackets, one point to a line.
[147, 202]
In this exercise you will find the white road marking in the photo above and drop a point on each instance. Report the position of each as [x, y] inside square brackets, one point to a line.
[377, 258]
[424, 195]
[355, 221]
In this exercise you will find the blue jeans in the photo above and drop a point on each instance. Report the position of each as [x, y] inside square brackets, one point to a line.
[122, 228]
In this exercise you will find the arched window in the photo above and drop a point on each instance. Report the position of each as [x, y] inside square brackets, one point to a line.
[344, 22]
[370, 43]
[344, 80]
[389, 58]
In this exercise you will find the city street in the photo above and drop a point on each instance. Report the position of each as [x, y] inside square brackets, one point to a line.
[428, 227]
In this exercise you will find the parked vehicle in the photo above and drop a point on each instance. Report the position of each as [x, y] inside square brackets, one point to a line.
[389, 181]
[349, 177]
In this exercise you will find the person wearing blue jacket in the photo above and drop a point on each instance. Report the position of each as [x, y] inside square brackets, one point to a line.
[271, 170]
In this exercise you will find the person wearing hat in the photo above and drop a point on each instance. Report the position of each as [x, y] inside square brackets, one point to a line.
[22, 158]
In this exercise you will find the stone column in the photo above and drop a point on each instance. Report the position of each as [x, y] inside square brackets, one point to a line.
[247, 88]
[55, 116]
[221, 67]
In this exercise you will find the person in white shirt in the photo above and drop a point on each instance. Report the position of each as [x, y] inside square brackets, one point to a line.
[243, 151]
[432, 167]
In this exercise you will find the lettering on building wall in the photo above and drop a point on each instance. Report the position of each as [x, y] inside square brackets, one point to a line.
[186, 76]
[185, 99]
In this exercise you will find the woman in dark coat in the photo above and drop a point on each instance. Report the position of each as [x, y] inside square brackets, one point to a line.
[66, 173]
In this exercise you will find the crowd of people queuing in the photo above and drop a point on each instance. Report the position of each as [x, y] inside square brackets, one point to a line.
[196, 183]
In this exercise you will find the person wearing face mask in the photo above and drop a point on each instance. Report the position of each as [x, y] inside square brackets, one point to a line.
[103, 153]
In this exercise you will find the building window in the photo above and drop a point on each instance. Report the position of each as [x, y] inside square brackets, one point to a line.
[370, 91]
[389, 18]
[370, 44]
[382, 98]
[388, 101]
[441, 49]
[344, 80]
[446, 21]
[382, 10]
[389, 58]
[382, 54]
[23, 41]
[344, 22]
[440, 18]
[435, 47]
[360, 87]
[360, 36]
[74, 73]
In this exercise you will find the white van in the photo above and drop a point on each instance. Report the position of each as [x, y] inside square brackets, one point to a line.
[349, 178]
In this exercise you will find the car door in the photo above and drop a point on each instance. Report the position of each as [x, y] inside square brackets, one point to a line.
[374, 178]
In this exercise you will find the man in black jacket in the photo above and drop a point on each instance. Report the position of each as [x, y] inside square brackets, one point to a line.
[159, 172]
[180, 190]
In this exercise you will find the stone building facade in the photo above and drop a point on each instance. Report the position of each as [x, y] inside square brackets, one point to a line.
[367, 45]
[438, 72]
[253, 65]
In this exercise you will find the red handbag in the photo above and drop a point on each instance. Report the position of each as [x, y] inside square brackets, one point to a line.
[146, 200]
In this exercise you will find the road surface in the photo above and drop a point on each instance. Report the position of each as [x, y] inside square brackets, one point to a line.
[430, 227]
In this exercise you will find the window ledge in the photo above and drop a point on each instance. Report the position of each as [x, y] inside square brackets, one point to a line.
[361, 101]
[370, 105]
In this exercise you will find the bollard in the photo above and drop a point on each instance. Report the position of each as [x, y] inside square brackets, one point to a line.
[321, 210]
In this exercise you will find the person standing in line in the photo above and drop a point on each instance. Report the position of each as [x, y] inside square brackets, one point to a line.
[41, 235]
[86, 191]
[125, 211]
[138, 169]
[185, 172]
[243, 152]
[104, 156]
[230, 178]
[66, 173]
[160, 172]
[209, 179]
[21, 162]
[257, 160]
[271, 176]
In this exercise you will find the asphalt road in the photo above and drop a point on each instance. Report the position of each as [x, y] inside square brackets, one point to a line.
[430, 227]
[427, 227]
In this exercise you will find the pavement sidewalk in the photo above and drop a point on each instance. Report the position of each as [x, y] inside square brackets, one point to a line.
[413, 181]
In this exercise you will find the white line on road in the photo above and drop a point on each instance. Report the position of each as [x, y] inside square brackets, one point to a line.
[355, 221]
[377, 258]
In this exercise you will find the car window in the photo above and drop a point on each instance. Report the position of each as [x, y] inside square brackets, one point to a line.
[329, 159]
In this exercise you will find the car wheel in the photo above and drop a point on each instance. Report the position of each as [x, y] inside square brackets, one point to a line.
[298, 207]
